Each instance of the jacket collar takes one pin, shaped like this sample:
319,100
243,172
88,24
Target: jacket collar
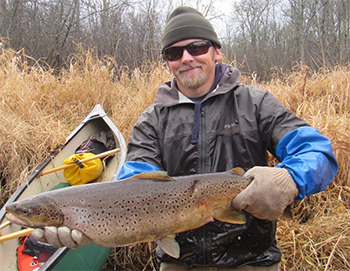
226,78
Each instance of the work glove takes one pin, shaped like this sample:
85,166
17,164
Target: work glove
268,195
61,237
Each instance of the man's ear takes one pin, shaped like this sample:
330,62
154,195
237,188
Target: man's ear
167,66
218,54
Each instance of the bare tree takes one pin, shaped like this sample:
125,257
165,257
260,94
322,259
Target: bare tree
260,34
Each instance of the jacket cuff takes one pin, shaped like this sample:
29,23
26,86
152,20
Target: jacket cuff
309,158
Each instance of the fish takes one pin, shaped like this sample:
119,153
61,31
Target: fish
146,207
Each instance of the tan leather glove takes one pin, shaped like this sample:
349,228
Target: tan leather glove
270,192
61,237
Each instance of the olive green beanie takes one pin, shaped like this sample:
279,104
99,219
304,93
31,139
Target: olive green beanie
187,23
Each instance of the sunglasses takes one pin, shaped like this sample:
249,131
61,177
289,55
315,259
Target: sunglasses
195,48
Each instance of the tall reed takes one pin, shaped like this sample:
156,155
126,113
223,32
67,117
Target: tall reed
41,106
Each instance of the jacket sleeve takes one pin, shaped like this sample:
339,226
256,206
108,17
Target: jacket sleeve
309,158
144,142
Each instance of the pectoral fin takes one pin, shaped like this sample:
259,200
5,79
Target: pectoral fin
169,246
231,215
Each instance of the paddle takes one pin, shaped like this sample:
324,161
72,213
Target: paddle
12,235
15,235
97,156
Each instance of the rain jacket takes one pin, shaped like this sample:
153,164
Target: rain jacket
233,126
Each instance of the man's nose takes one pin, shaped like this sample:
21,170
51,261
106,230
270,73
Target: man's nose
186,57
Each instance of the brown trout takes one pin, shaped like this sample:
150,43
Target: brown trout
147,207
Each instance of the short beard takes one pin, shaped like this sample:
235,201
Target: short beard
191,82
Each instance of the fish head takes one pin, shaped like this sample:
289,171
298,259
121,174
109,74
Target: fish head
36,213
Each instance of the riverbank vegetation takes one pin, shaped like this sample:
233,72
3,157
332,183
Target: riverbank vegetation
40,107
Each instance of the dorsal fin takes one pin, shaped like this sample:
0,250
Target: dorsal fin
158,176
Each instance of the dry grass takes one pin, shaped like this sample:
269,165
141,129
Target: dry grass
40,108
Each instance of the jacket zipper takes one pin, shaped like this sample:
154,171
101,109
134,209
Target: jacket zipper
203,170
203,141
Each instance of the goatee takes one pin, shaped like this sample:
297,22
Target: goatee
191,81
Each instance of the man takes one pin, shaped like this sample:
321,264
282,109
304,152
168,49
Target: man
205,121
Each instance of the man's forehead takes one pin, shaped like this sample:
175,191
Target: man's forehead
184,42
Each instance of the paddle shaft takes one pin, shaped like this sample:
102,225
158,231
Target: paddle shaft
15,235
97,156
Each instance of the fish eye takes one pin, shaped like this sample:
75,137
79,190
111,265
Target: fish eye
24,211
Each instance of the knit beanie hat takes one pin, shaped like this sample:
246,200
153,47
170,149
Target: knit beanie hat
187,23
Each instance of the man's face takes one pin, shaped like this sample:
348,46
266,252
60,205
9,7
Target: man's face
194,74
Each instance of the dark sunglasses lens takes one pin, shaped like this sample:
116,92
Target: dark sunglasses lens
173,53
198,48
195,48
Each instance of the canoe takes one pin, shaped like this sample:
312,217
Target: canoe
88,257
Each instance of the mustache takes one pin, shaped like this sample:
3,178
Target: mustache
188,67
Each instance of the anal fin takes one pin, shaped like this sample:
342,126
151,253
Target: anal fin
169,245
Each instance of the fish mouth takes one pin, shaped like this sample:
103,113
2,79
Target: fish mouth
18,221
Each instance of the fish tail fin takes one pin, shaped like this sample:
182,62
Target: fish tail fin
287,214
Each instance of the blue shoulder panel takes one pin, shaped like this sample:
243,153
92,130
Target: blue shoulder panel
309,158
